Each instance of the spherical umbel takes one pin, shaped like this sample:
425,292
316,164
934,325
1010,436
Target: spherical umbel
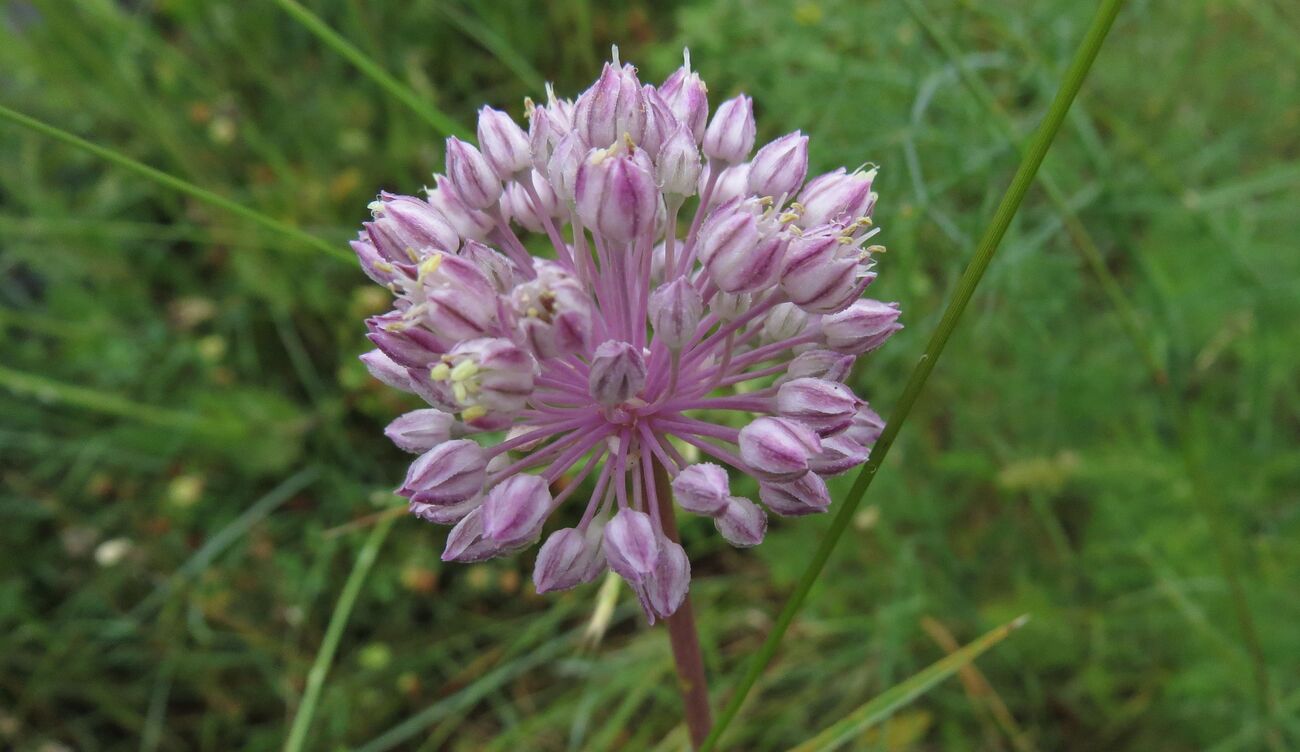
593,345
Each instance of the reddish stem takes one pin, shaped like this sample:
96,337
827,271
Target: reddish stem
683,635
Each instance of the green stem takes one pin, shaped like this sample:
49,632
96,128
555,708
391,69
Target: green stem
334,633
372,70
988,245
46,390
1203,500
1078,233
175,183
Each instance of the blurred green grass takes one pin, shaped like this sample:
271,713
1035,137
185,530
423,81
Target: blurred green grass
178,528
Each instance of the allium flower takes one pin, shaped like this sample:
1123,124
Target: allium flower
629,341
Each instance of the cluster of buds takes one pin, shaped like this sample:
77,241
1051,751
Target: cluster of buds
625,347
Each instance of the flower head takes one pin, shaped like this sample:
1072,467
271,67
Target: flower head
636,341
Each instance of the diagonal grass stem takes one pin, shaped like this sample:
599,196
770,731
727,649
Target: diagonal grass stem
891,700
175,183
970,279
440,121
333,634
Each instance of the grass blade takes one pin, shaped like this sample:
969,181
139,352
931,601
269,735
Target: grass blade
334,633
440,121
175,183
1075,228
988,245
46,390
889,701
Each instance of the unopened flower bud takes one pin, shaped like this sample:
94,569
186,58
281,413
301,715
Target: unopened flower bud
688,98
420,430
742,522
777,449
784,321
618,372
519,205
820,364
861,327
505,145
807,495
446,474
827,407
386,370
376,267
568,558
613,106
448,514
837,197
675,310
632,545
515,509
562,167
461,301
732,184
730,306
730,135
467,543
740,254
468,223
496,268
616,194
404,225
840,453
702,488
660,122
471,176
866,427
543,134
663,592
778,169
677,170
822,275
409,346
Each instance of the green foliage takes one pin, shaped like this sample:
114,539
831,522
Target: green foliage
191,458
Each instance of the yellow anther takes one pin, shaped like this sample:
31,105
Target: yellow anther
440,372
466,369
459,392
412,255
471,387
533,313
473,413
845,240
430,265
766,201
383,266
631,145
875,249
376,207
787,217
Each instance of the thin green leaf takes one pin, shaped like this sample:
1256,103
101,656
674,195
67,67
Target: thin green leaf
891,700
334,633
440,121
970,279
175,183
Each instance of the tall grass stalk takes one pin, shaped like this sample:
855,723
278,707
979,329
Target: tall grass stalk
441,122
334,633
1206,507
1033,155
177,184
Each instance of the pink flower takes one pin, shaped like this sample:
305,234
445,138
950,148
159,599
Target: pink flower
617,350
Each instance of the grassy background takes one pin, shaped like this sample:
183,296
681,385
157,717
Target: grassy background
191,457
